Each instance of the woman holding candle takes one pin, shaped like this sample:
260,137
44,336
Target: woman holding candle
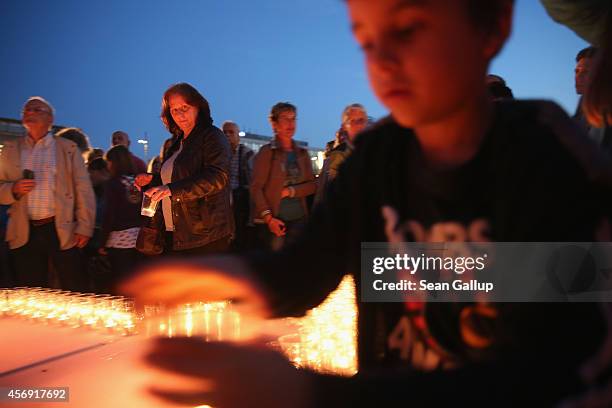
195,216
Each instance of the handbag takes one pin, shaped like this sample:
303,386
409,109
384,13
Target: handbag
150,241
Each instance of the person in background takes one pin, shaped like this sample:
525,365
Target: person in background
195,215
93,154
7,277
77,136
339,138
154,166
354,120
98,267
282,179
585,60
44,179
121,216
592,21
241,167
119,137
497,88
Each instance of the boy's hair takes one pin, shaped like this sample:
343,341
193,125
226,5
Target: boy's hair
485,13
588,52
280,108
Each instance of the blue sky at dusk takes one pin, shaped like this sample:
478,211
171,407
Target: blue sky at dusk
104,65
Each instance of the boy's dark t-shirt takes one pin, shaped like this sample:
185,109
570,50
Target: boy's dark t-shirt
522,185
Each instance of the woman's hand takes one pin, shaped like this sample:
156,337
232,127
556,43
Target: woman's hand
158,193
142,180
277,227
286,192
228,375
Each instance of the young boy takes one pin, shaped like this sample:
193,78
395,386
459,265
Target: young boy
450,165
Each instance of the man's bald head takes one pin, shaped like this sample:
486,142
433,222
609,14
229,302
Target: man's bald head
232,131
119,137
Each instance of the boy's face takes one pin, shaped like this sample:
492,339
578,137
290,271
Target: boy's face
425,59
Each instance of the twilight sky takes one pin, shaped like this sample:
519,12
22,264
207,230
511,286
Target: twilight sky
104,64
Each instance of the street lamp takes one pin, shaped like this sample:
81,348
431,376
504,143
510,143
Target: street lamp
145,145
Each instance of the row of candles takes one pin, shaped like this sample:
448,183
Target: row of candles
325,339
73,309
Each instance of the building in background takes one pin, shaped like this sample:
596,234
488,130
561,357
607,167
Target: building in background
12,128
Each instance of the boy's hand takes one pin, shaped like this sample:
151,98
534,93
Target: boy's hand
231,375
178,282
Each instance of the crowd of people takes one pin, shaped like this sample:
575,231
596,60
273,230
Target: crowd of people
469,163
215,194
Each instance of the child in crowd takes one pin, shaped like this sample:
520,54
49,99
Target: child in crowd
121,215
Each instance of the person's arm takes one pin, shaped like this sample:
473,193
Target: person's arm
84,200
309,185
6,192
335,160
261,170
7,197
213,177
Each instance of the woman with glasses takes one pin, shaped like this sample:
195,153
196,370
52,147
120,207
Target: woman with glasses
193,186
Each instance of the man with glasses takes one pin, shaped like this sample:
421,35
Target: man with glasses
44,180
354,120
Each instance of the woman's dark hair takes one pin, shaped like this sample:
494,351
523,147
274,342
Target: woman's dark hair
77,136
97,165
122,161
93,154
193,98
